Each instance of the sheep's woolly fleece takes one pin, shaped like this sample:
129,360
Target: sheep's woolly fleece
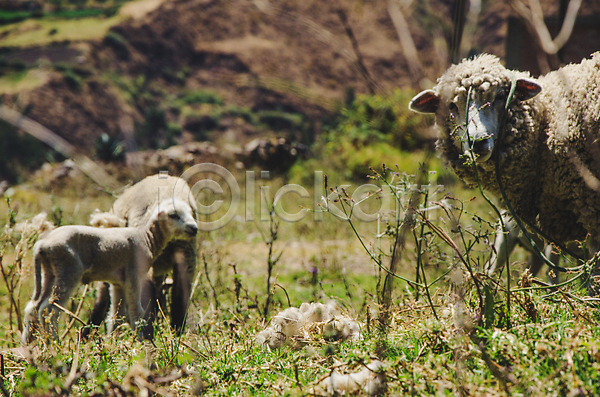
294,326
549,148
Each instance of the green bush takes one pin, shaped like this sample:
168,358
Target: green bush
372,130
377,118
109,148
118,43
201,96
174,129
236,111
151,131
13,16
277,120
72,79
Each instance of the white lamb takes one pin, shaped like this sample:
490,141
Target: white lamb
548,148
76,254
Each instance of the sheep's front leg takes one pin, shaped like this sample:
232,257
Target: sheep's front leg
133,300
184,269
65,285
116,311
100,309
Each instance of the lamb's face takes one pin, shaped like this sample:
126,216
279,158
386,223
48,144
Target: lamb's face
177,217
469,102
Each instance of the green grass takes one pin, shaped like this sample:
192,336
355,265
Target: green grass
17,29
20,81
44,31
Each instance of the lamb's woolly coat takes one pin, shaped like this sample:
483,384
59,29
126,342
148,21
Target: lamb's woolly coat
76,254
134,207
549,149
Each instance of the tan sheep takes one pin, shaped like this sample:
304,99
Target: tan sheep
133,208
74,254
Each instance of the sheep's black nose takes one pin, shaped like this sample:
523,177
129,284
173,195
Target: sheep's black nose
192,230
482,147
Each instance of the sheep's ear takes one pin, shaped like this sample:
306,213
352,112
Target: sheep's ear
527,89
425,102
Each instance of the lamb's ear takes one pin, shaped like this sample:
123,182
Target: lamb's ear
425,102
161,214
527,89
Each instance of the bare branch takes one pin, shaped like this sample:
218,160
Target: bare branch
534,19
466,42
408,45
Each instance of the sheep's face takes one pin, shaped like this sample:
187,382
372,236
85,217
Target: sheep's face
469,102
475,123
177,217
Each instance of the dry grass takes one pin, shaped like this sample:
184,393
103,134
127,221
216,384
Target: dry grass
435,347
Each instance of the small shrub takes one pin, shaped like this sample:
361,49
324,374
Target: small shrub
174,129
200,125
109,148
118,43
13,16
72,79
18,65
278,120
236,111
375,118
196,97
149,132
110,11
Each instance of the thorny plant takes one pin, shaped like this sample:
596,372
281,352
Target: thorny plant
413,201
12,272
269,237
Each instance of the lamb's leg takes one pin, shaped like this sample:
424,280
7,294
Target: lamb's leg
30,318
184,268
66,282
150,307
133,301
100,309
116,311
30,323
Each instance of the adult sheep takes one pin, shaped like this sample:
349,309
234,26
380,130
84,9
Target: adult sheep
134,207
548,146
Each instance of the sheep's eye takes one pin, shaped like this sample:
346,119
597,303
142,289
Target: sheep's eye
174,215
453,108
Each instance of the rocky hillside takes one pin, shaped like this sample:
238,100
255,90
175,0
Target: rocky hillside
231,71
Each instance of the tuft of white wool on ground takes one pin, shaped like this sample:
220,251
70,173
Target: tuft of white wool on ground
293,326
370,380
